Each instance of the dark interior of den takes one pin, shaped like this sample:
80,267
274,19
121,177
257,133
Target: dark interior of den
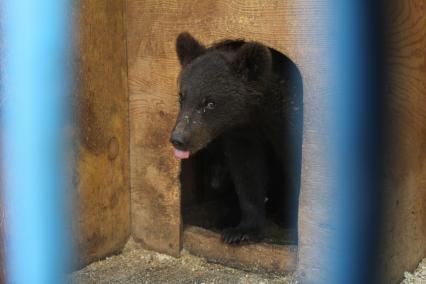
209,198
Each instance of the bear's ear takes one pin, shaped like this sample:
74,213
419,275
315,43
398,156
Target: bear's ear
253,62
188,48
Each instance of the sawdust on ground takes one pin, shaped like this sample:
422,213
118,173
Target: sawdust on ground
418,276
136,265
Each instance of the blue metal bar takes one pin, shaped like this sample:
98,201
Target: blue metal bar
345,250
355,129
35,84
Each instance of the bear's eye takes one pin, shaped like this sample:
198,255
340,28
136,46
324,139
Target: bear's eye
210,105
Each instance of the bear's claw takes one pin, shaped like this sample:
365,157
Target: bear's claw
237,236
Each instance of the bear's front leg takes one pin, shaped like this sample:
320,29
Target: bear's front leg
247,162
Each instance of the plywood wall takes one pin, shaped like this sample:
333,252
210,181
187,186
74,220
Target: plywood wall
292,27
405,205
297,29
101,179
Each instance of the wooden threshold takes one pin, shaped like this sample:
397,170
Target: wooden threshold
263,257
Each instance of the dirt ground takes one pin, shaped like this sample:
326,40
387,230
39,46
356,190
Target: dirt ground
136,265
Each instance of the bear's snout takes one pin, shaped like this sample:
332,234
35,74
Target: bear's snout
177,139
180,137
180,146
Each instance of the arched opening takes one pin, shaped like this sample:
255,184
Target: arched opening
208,199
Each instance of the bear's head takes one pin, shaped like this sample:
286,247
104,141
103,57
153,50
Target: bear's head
218,89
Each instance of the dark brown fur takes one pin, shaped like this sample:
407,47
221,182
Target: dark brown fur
247,98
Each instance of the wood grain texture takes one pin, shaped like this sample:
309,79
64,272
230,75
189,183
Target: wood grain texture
253,257
293,27
101,179
405,205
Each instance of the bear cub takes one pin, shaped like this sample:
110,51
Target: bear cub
246,100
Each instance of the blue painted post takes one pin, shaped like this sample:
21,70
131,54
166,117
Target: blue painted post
344,138
36,43
357,103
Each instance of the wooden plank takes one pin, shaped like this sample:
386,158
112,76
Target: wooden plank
102,219
293,27
253,257
404,230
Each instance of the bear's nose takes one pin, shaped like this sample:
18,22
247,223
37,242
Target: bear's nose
177,140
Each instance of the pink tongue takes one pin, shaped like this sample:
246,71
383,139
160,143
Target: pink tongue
181,154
